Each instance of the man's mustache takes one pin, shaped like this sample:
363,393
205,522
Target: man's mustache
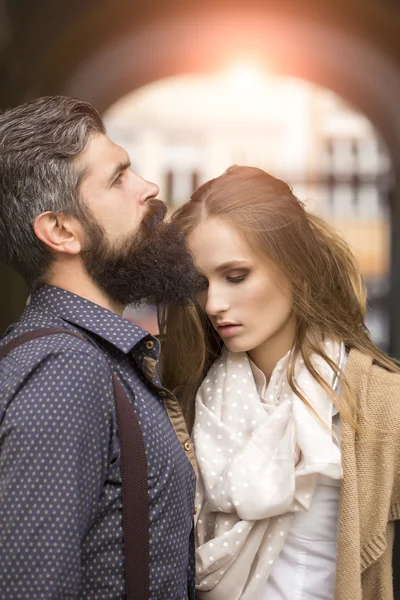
155,214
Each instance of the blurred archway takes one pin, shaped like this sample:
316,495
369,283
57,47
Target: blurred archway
184,130
101,51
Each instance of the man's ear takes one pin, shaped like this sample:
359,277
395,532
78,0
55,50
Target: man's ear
59,232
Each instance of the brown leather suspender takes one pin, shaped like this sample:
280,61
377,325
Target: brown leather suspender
135,496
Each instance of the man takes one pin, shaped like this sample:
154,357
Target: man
88,236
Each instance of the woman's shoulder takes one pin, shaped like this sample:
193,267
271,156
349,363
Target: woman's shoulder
361,365
377,388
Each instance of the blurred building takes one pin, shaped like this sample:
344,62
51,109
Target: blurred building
185,130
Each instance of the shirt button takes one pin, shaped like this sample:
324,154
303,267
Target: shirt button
195,510
187,446
162,393
149,345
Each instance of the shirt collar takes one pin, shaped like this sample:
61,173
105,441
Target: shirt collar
261,381
120,332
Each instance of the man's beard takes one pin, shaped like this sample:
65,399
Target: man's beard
151,266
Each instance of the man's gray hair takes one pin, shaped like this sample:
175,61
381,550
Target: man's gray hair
38,143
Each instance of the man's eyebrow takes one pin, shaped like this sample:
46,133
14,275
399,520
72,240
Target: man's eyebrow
122,166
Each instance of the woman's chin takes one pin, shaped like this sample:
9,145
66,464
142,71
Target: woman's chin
236,345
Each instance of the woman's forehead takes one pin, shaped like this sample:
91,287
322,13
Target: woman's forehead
214,242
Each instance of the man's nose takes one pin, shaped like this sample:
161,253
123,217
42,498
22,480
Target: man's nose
151,190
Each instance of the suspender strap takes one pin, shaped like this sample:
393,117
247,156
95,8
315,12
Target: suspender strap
135,496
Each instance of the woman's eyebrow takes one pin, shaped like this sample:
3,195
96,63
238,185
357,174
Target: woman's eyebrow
236,262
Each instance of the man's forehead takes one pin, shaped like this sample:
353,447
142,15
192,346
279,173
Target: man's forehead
102,155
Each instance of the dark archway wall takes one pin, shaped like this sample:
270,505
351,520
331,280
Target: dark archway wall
102,49
44,43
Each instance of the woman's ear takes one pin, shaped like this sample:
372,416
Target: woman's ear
59,232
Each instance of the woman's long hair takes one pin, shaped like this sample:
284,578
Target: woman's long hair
329,299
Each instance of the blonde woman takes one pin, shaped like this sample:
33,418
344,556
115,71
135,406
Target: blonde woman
295,411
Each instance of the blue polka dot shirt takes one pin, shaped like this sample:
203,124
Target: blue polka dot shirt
60,481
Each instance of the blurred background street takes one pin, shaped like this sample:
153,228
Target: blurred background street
308,91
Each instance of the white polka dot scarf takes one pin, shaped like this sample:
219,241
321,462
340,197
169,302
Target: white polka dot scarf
258,460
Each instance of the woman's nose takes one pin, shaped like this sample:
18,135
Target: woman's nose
216,303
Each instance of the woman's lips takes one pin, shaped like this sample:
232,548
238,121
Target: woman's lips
228,330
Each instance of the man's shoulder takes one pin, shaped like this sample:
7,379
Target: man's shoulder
52,369
58,347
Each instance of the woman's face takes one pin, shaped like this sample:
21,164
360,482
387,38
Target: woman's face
248,300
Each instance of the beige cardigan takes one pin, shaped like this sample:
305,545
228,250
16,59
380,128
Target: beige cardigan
370,492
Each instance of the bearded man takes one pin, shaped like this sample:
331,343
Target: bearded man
89,237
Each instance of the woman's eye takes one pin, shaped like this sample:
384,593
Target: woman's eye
237,278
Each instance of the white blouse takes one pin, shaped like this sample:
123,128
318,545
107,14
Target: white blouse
306,566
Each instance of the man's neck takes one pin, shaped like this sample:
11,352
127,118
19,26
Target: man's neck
73,277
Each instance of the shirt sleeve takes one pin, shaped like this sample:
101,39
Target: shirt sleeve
54,444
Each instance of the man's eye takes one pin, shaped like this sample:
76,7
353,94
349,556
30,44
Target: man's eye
118,180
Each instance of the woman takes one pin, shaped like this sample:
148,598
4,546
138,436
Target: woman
297,411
